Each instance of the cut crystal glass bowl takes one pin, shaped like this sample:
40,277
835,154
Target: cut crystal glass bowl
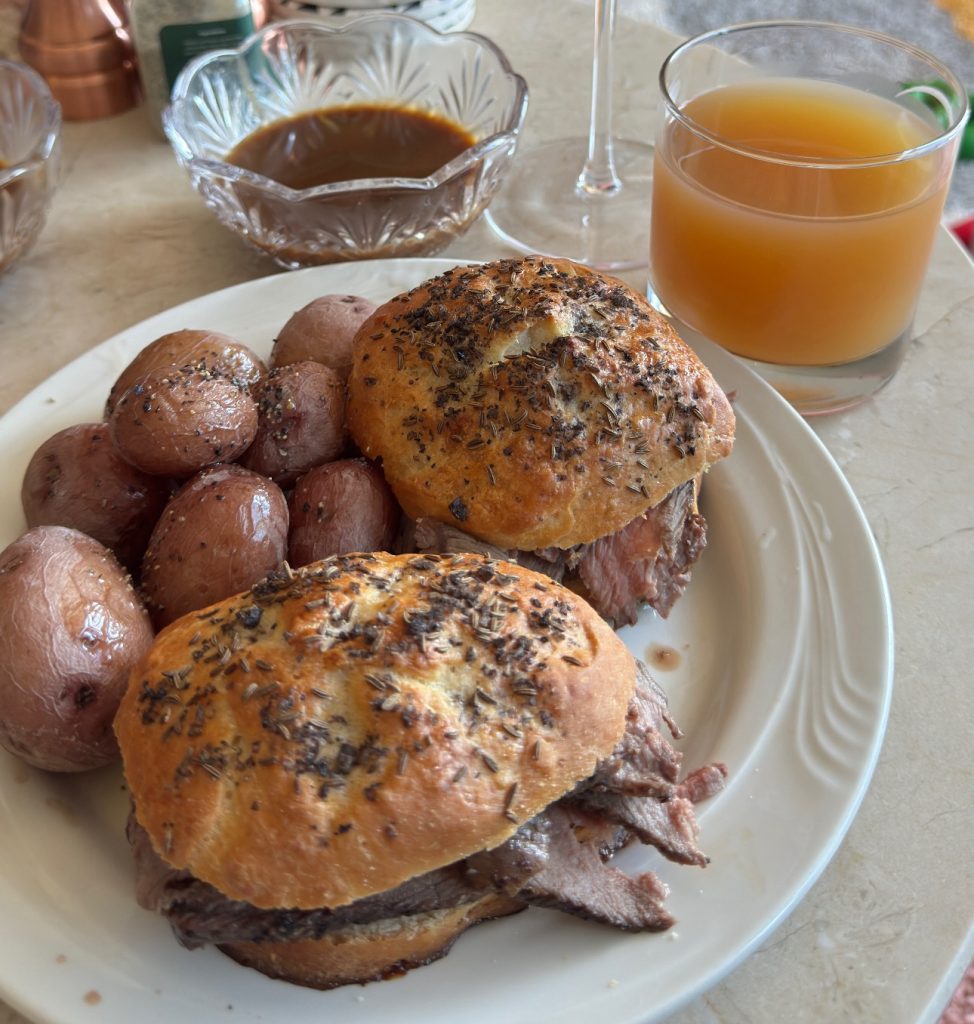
293,67
30,157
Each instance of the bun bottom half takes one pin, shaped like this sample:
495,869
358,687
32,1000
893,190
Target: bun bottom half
358,954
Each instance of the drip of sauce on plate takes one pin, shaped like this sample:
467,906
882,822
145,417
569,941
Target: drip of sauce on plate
663,658
64,809
350,143
92,998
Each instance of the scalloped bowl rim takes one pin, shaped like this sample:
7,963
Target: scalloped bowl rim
440,177
41,151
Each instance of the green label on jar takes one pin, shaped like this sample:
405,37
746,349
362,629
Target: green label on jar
181,43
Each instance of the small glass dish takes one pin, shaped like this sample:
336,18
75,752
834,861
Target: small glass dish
30,157
292,67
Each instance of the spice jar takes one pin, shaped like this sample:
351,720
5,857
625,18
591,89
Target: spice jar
169,33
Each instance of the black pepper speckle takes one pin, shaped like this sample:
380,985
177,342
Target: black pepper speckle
458,509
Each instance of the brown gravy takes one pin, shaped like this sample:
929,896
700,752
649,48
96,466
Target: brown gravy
663,658
347,143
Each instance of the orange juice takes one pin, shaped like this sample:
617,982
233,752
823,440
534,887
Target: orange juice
809,260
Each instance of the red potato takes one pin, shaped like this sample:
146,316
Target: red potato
323,332
341,507
209,350
77,479
301,421
222,531
71,629
173,422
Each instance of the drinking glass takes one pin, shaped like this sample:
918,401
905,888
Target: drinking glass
586,199
799,179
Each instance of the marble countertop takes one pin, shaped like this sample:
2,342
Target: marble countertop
885,933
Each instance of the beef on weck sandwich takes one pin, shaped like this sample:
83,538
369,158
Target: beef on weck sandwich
337,772
540,411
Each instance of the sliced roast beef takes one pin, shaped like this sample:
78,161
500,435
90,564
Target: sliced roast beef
703,783
507,867
643,763
200,913
669,825
553,562
425,534
576,881
558,861
546,864
636,786
648,561
153,876
596,830
214,918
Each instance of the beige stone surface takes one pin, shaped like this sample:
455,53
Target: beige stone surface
884,934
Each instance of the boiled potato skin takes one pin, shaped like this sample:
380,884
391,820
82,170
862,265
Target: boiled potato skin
224,530
71,628
77,479
301,421
323,331
174,422
201,350
341,507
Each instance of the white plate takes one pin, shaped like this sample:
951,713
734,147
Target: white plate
784,643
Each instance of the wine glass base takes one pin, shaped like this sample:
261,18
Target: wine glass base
540,210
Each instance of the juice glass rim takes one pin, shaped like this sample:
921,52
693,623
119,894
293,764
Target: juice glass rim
941,71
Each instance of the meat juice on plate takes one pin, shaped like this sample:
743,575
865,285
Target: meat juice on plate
804,259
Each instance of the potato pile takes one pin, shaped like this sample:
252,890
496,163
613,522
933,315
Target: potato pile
208,471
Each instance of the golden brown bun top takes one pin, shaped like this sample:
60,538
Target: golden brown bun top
532,402
339,729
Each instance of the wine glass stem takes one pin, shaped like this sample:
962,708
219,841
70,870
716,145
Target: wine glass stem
598,176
